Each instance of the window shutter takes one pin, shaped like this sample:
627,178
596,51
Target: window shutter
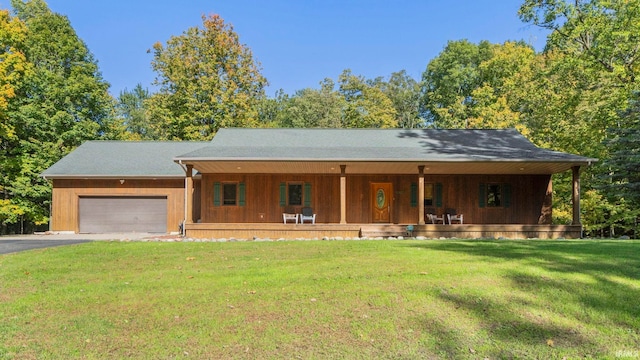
241,195
216,194
414,194
482,195
283,194
507,195
438,194
307,194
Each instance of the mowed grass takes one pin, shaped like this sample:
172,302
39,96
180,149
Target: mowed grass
400,299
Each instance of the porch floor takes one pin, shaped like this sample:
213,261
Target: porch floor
430,231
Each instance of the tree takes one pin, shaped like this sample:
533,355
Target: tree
404,93
605,33
366,106
207,80
311,108
477,86
271,110
591,63
132,113
624,163
13,67
62,102
448,81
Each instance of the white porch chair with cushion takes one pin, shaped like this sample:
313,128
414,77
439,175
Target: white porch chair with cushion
436,219
289,214
307,214
431,216
453,216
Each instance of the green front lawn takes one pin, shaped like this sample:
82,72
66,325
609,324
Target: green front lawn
323,299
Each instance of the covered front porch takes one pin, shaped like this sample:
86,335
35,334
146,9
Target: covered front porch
273,231
374,183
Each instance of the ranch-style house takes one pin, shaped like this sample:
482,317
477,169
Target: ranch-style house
312,183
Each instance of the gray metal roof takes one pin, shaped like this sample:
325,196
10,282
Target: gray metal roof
100,159
375,145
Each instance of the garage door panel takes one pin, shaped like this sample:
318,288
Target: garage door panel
123,214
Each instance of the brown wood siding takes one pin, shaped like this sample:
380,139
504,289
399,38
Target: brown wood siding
460,192
263,198
64,208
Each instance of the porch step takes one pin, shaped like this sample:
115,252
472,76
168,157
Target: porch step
384,230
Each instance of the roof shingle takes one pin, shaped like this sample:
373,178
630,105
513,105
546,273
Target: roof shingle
375,144
123,159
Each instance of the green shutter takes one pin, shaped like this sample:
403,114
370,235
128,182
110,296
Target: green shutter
507,195
241,196
482,195
438,194
414,194
307,194
283,194
216,194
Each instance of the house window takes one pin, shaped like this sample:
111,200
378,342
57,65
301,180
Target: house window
494,195
428,194
230,194
294,194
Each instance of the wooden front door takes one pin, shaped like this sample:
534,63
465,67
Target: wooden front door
381,195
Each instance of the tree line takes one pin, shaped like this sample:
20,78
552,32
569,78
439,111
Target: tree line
578,95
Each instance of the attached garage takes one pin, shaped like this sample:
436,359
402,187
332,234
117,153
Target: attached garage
121,186
123,214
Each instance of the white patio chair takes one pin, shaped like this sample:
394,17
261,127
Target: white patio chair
307,214
289,214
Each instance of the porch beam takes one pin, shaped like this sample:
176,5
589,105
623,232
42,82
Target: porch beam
189,195
421,195
343,194
576,195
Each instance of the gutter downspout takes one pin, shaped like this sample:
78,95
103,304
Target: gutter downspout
184,220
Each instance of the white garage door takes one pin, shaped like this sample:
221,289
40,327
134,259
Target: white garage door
101,214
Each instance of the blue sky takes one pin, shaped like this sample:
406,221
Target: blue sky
297,42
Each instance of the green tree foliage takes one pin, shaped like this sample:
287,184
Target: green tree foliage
477,85
271,110
587,77
623,165
357,103
132,114
604,33
448,82
404,93
366,106
311,108
62,102
207,80
13,67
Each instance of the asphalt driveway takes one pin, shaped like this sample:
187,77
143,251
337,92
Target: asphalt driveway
16,243
13,246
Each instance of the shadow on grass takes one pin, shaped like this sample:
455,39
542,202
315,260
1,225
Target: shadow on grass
581,295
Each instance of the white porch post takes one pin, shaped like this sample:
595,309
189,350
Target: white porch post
343,194
421,195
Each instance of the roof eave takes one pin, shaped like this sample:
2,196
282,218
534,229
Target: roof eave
584,162
109,177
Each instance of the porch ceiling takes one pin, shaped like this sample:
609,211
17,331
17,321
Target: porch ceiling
395,167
